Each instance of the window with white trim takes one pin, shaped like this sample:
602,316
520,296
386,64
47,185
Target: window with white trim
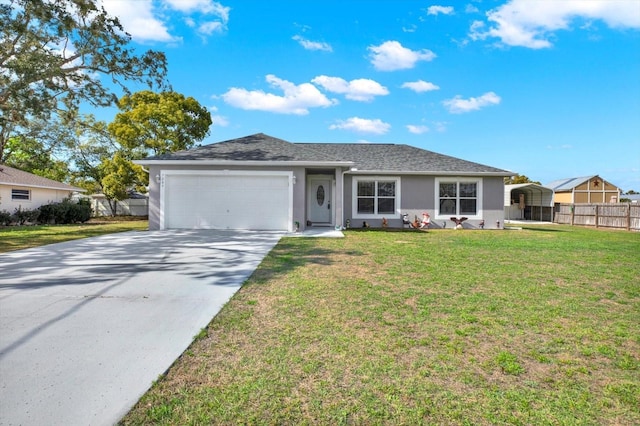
21,194
376,197
459,197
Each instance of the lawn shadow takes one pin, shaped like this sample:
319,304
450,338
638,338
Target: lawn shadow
534,228
294,253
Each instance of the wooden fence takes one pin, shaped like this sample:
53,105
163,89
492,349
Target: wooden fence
602,215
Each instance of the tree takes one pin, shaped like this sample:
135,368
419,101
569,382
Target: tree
519,179
94,145
157,123
34,157
54,55
120,174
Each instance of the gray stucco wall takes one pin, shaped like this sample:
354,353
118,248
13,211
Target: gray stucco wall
417,195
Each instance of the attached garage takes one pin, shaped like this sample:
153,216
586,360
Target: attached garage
226,200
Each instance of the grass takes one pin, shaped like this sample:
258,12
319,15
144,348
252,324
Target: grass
22,237
538,326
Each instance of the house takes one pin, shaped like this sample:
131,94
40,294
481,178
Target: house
587,189
27,191
261,182
528,201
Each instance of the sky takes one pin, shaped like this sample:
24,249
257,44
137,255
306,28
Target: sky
547,89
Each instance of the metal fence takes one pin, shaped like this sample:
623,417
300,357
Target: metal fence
601,215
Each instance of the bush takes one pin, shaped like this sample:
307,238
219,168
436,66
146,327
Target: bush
65,212
5,217
23,216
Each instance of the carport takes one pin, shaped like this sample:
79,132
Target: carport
528,201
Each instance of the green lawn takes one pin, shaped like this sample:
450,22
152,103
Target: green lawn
538,326
22,237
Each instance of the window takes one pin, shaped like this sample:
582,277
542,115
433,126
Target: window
376,197
20,194
459,197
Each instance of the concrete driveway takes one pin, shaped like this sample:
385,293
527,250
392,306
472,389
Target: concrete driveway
86,326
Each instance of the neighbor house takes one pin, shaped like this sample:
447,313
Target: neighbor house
27,191
586,189
264,183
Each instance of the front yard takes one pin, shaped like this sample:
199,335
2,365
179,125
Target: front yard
22,237
538,326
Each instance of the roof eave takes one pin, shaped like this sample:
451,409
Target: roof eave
244,163
429,172
57,188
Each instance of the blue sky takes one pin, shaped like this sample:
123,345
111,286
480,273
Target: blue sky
548,89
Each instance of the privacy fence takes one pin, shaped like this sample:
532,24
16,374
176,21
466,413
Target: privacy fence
607,215
128,207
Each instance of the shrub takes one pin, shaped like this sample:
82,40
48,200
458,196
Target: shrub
5,217
65,212
23,216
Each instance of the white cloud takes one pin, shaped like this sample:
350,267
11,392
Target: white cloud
420,86
147,20
297,99
361,89
138,19
471,9
435,10
312,45
219,121
208,28
362,125
441,126
417,129
391,56
206,7
517,23
457,105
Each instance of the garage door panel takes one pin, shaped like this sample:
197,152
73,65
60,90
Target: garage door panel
227,202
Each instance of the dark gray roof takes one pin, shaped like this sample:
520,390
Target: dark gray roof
258,147
373,157
11,176
399,158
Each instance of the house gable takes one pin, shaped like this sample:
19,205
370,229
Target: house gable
586,189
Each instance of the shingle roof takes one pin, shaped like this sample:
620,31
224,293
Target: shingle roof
11,176
258,147
399,158
568,184
365,157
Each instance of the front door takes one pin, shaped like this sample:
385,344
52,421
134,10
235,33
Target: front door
319,200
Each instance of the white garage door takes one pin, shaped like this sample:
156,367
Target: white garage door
233,200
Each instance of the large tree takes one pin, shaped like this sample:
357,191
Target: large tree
157,123
33,156
54,55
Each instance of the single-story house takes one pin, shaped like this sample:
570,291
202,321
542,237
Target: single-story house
586,189
528,201
27,191
264,183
